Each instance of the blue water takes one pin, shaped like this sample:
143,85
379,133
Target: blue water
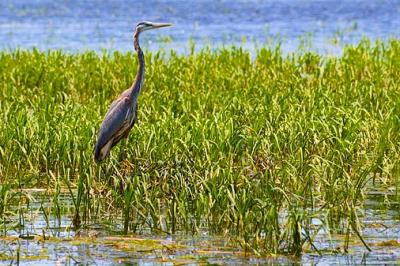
80,25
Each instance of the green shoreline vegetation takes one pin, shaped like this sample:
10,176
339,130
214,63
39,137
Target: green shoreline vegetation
256,149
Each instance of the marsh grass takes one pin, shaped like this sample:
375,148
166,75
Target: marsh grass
254,148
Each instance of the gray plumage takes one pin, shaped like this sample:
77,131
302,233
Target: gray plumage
122,114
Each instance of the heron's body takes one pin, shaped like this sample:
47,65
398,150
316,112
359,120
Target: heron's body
122,114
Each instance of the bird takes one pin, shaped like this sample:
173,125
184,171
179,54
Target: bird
122,114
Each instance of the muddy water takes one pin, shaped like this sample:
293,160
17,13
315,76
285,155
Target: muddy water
51,240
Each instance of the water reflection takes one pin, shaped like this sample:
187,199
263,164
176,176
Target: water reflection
54,241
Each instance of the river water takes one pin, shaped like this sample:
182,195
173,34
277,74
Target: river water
81,25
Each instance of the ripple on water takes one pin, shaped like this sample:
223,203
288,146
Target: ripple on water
97,25
54,241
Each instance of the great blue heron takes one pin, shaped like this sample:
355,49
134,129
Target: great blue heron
122,114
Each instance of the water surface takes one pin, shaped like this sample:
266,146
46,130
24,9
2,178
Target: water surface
47,241
81,25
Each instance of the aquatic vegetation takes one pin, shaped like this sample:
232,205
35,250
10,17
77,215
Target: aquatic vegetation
253,148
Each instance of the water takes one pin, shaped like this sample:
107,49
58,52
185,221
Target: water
102,243
81,25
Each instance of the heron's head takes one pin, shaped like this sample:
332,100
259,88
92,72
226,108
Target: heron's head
146,25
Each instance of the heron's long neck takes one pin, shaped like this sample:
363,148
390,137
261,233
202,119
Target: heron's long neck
137,85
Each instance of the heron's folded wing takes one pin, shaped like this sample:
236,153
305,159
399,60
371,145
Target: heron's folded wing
116,101
114,121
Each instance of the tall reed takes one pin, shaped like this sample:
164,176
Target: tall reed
252,147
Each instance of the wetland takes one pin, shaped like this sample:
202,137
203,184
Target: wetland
273,158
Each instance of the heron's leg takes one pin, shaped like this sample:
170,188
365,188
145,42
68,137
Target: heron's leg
122,154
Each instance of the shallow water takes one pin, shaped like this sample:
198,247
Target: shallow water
54,241
80,25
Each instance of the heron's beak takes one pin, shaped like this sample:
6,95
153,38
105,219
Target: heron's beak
161,25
